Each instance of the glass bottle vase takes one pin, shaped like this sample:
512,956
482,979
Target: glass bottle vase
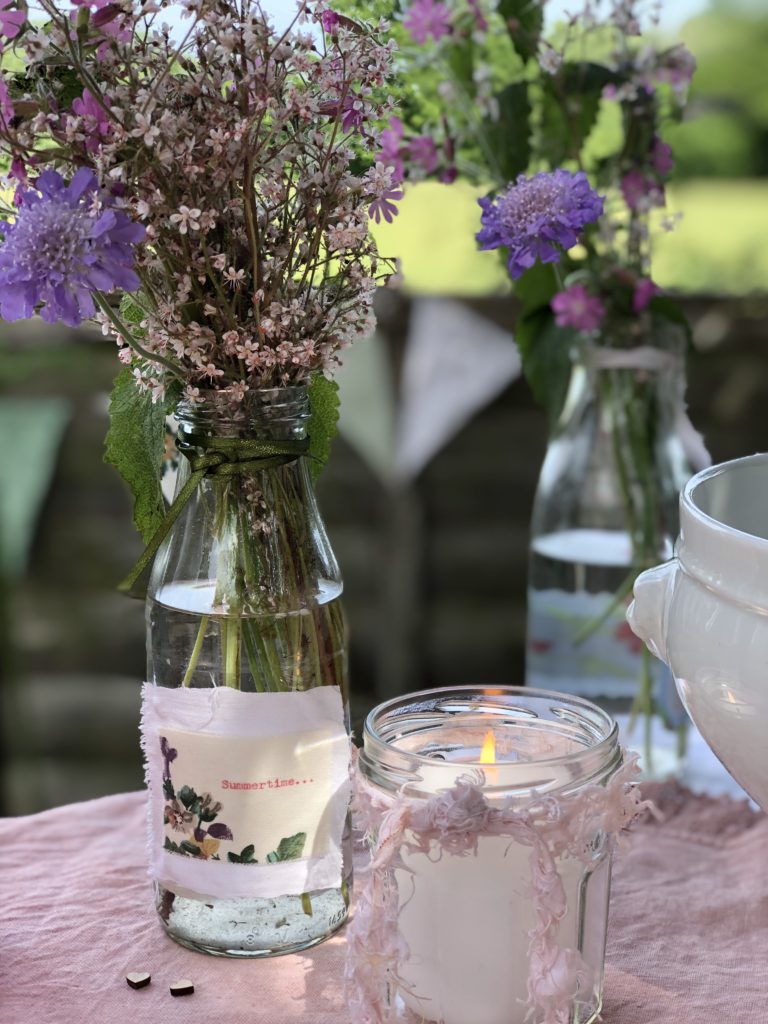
245,627
605,509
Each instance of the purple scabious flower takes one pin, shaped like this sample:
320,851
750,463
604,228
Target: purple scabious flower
65,243
538,217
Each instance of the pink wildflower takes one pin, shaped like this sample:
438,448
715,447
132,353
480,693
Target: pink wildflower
391,154
423,152
384,205
427,18
10,21
329,20
641,191
576,308
95,121
645,290
661,157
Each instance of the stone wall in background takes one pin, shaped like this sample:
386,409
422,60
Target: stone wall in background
434,568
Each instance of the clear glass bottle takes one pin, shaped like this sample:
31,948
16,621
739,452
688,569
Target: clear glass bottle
245,594
466,922
605,509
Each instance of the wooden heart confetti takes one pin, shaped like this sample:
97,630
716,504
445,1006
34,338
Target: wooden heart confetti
138,979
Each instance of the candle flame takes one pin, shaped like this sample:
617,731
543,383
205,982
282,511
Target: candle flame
488,750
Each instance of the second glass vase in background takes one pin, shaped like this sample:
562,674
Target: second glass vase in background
605,509
245,720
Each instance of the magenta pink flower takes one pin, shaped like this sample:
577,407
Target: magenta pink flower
423,152
329,20
10,21
391,153
95,120
576,308
384,206
645,290
641,191
427,18
661,157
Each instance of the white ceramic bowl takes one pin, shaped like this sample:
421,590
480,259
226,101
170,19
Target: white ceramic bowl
706,614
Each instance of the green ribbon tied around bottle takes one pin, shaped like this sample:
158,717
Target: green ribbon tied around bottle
221,457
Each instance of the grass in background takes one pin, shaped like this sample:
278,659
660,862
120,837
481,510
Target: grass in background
718,247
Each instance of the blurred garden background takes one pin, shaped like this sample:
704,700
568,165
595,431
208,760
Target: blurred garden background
428,491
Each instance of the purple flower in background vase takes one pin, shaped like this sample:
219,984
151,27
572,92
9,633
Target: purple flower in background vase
426,18
65,243
644,291
576,308
423,152
661,157
538,217
390,153
641,191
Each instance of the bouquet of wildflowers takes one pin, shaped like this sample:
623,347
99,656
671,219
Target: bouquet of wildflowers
217,174
565,127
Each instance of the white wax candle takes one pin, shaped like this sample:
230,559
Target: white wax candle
466,920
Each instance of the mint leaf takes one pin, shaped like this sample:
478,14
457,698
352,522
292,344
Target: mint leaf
324,418
135,444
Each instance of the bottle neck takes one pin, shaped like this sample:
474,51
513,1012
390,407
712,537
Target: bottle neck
268,414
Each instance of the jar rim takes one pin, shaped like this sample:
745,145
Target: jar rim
604,731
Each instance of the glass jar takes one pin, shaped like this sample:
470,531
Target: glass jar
245,627
606,508
471,937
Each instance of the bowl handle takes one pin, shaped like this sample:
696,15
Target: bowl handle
647,615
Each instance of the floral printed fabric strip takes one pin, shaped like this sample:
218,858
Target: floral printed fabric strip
247,796
554,831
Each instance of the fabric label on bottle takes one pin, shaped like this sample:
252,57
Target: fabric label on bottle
248,792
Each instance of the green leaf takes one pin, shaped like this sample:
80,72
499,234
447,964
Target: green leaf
536,287
324,418
462,64
168,792
509,137
292,847
130,311
135,444
247,852
545,350
524,20
666,309
190,848
570,103
233,858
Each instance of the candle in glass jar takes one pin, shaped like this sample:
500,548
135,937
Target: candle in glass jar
467,920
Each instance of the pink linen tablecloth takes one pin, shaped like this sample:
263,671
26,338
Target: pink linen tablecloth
688,940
